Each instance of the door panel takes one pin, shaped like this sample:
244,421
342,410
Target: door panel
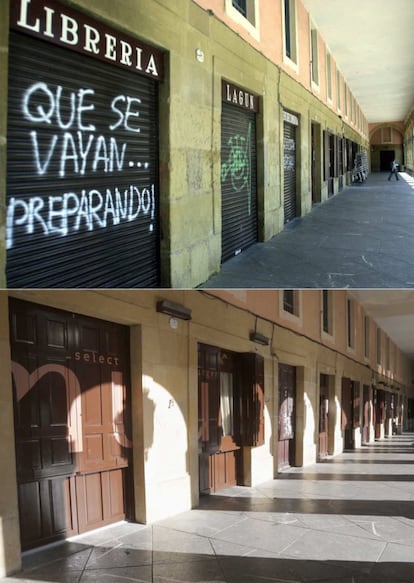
71,421
217,445
223,470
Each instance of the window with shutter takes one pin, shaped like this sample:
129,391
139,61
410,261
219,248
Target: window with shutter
231,398
209,433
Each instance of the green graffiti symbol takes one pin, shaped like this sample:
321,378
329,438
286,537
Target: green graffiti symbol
238,163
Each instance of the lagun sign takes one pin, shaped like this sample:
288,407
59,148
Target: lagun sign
82,144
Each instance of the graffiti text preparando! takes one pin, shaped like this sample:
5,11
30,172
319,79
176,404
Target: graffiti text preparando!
70,212
64,142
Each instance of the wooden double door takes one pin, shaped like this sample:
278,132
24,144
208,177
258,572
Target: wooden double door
72,422
351,411
230,414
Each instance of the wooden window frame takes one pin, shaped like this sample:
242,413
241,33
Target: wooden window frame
350,324
379,348
327,323
291,306
329,76
367,325
338,90
314,51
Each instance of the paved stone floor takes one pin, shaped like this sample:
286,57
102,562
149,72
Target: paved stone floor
349,519
362,237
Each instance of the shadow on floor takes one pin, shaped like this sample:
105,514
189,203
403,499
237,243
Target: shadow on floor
141,566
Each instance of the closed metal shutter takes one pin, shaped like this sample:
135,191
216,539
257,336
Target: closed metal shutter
289,182
238,180
82,171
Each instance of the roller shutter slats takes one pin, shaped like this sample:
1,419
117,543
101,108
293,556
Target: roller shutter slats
289,183
238,180
81,251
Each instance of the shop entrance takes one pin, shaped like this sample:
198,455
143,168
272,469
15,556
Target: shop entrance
386,157
230,414
239,208
72,422
351,411
287,416
379,413
366,414
290,127
323,417
316,162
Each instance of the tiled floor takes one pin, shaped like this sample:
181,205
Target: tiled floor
360,238
347,520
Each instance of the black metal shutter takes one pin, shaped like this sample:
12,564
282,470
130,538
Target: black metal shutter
238,180
289,188
82,187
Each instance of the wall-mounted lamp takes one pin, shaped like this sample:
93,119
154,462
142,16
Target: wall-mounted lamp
259,338
173,309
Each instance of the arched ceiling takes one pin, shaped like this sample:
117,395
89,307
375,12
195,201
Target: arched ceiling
372,42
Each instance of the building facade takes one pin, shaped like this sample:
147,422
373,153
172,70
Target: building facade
177,133
131,405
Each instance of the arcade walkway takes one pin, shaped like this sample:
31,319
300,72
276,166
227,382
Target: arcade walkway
362,237
347,520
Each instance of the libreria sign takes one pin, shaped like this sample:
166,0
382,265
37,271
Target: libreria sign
62,26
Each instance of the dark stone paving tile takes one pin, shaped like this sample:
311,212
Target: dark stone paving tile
258,570
106,558
189,572
173,546
69,554
118,575
47,574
